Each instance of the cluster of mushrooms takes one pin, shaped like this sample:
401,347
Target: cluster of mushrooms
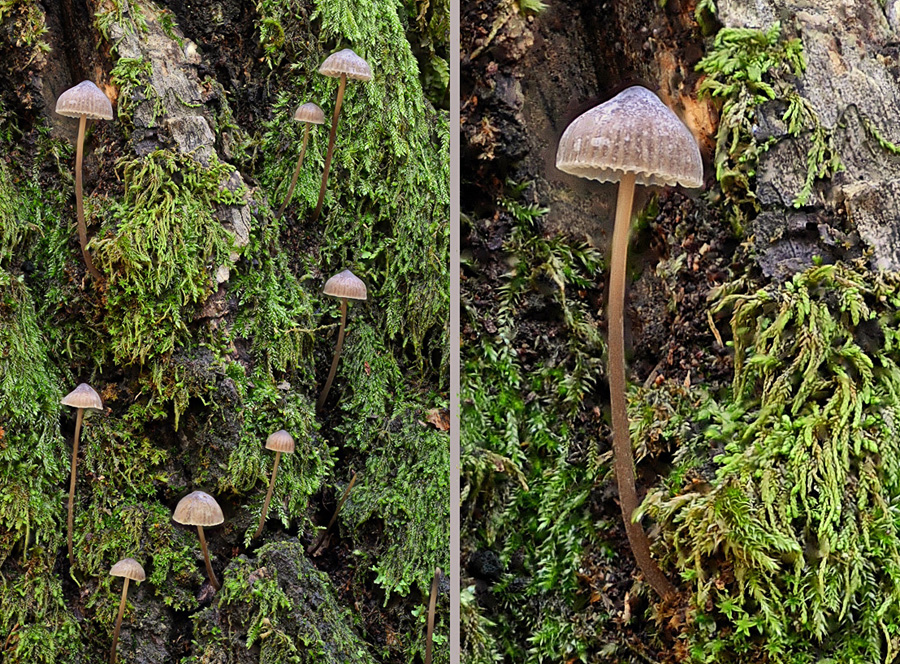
631,139
86,101
196,509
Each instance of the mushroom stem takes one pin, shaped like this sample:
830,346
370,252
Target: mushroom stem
79,207
112,655
315,545
331,136
265,509
290,191
209,570
432,605
624,462
337,355
71,519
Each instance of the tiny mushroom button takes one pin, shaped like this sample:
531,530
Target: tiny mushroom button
309,114
346,286
201,510
279,442
632,139
83,101
130,570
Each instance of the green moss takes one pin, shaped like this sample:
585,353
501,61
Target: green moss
279,603
133,76
24,19
795,536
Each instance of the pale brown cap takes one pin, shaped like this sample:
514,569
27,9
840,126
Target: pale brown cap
84,99
129,568
309,112
346,62
83,396
346,284
198,509
280,441
634,132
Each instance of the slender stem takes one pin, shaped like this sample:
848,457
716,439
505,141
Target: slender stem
315,545
432,605
622,450
79,207
265,510
71,521
112,654
290,191
337,355
334,124
212,577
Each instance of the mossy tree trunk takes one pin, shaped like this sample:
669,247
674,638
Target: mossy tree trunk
208,330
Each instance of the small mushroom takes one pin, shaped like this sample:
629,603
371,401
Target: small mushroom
343,64
345,285
633,139
432,607
82,397
83,101
201,510
309,114
280,441
129,569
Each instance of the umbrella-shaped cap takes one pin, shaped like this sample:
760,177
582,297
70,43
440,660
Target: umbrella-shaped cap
84,99
129,568
198,509
346,62
309,112
346,284
280,441
634,132
83,396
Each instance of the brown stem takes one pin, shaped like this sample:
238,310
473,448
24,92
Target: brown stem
79,207
290,191
432,605
315,545
112,654
71,521
337,355
265,510
212,577
334,124
624,462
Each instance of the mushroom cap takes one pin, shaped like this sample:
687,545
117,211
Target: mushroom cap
84,99
346,62
345,284
198,509
634,132
83,396
280,441
129,568
309,112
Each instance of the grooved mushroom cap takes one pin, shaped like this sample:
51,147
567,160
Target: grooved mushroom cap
634,132
309,112
83,396
346,62
84,99
129,568
280,441
198,509
346,284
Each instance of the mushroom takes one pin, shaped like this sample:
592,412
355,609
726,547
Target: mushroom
345,285
83,101
632,138
279,442
130,569
309,114
82,397
201,510
343,64
432,606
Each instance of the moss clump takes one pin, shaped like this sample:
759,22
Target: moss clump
276,609
795,537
